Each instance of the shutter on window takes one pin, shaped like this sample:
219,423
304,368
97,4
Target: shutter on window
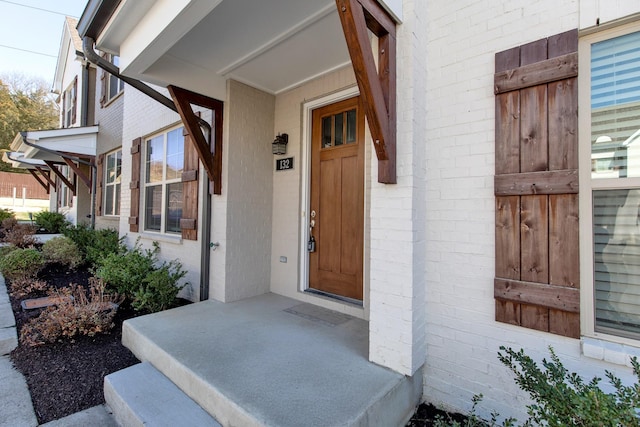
188,222
74,101
99,181
536,185
136,158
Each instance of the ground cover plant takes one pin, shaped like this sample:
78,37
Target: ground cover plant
560,397
65,350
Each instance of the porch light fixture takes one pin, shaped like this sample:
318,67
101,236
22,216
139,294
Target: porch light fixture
279,145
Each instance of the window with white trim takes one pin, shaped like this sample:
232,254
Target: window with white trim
69,101
112,86
163,166
610,121
112,181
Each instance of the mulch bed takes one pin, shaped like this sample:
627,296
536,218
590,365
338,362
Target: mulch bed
67,376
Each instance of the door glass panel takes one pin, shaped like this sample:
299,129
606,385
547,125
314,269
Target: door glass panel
351,126
326,132
339,120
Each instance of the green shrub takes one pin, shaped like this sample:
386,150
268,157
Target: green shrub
21,263
471,420
95,244
52,222
62,250
135,275
6,214
160,288
126,272
562,398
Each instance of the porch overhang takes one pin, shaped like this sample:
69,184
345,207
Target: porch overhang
274,46
44,150
57,144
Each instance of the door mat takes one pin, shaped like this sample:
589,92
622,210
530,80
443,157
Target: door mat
319,314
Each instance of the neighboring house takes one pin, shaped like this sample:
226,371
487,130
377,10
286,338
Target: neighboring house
62,159
452,219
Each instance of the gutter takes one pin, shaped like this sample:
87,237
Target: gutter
54,152
93,57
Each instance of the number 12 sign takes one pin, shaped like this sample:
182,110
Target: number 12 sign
284,164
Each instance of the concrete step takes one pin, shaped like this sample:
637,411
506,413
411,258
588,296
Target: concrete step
272,361
141,396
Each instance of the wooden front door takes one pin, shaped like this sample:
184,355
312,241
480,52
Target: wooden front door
337,199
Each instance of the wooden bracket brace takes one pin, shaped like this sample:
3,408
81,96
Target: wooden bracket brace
377,86
59,174
42,183
209,149
83,177
45,174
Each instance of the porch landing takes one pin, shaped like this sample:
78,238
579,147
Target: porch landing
273,361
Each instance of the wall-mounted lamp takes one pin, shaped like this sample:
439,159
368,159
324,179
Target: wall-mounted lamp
279,145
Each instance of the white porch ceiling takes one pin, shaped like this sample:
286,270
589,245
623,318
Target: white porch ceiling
272,45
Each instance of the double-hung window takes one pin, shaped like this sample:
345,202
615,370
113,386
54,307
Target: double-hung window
112,180
164,158
610,180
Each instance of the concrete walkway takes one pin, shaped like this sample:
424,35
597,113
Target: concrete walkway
16,409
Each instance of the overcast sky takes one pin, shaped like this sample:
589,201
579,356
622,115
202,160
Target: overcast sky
30,34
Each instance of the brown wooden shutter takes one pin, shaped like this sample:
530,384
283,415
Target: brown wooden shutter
99,183
74,101
536,186
136,159
188,221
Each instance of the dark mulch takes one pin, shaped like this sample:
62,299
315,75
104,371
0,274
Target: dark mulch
426,415
67,376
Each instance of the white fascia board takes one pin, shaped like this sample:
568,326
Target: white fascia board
143,42
63,52
79,140
394,7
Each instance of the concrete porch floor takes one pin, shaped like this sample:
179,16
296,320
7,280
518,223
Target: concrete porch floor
271,360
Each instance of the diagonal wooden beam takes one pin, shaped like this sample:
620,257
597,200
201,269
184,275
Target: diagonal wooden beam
60,175
209,151
83,177
378,88
45,174
35,175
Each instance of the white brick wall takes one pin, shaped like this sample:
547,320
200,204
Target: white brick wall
397,314
461,334
143,117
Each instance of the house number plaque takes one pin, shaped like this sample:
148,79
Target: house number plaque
284,164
